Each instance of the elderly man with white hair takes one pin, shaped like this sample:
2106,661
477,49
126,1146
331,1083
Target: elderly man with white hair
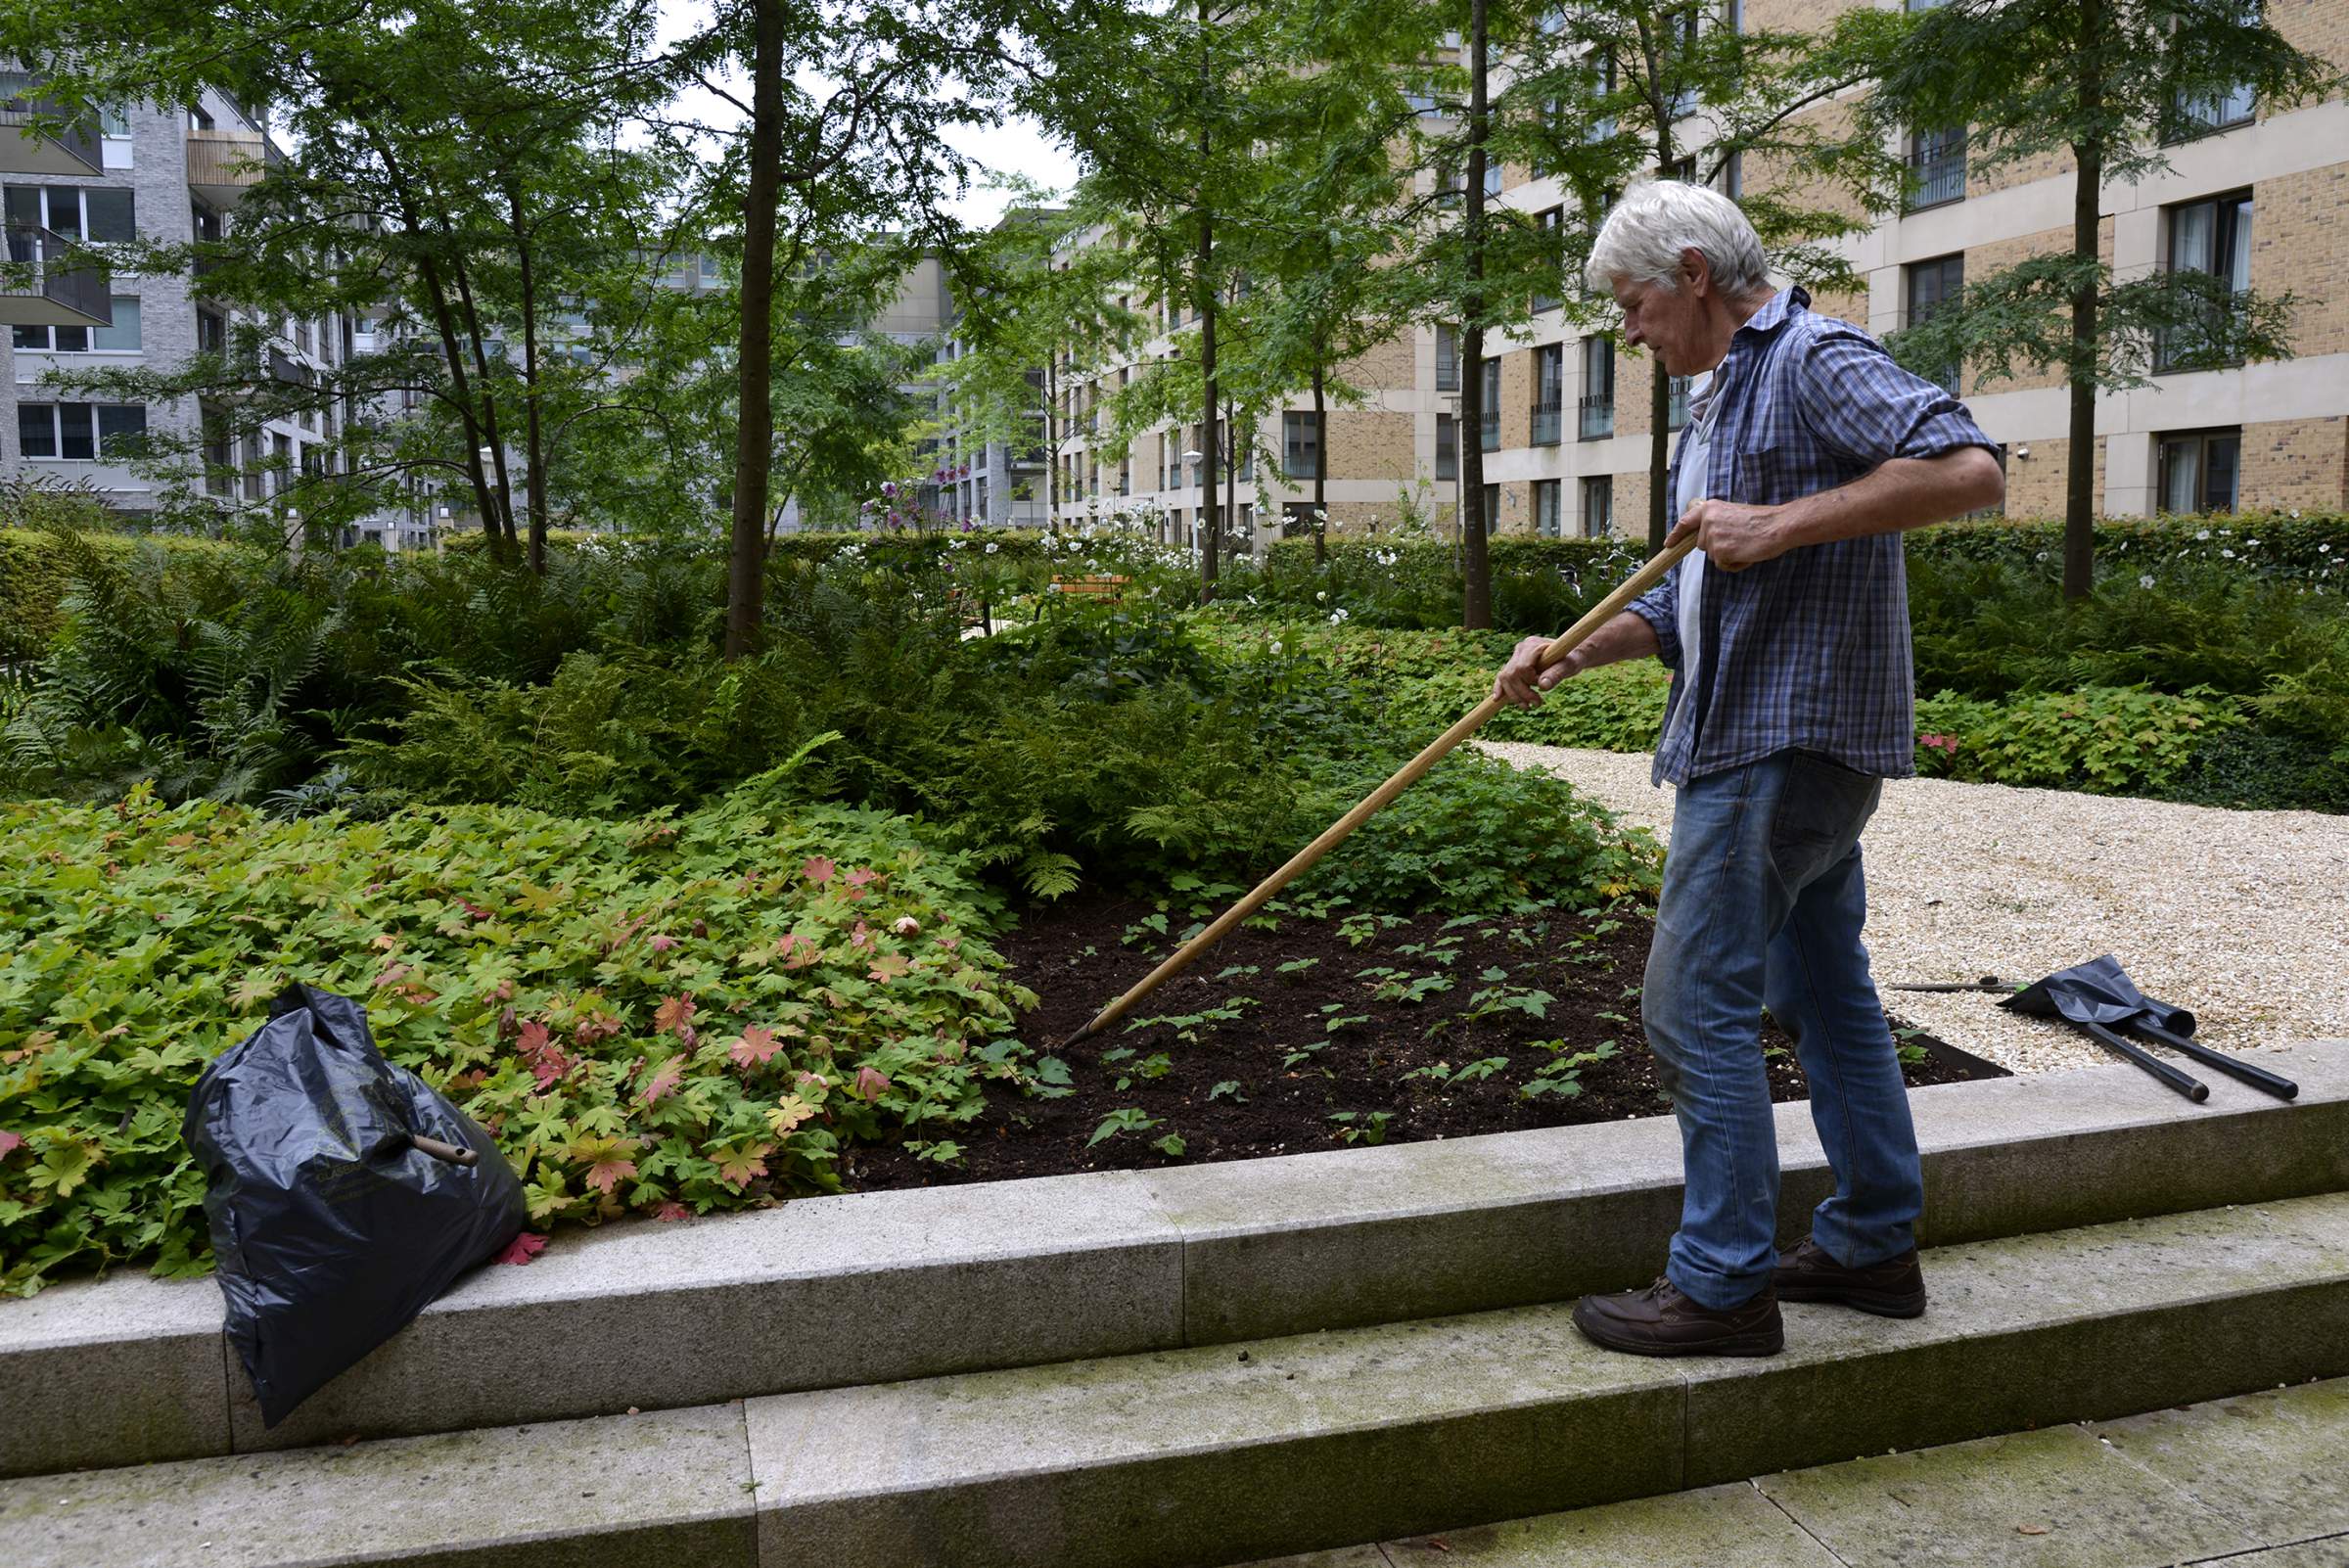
1805,455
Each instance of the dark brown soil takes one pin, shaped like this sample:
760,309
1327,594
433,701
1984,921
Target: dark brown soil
1318,1034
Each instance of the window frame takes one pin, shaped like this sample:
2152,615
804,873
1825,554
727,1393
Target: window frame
2203,440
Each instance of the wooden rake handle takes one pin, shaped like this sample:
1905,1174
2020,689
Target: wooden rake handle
1607,610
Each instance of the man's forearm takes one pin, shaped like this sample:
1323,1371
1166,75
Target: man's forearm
1626,636
1904,493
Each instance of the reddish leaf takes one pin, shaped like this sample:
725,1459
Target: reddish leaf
664,1080
871,1082
390,976
737,1163
522,1249
534,1036
673,1013
757,1045
7,1141
659,942
949,942
608,1173
861,876
861,935
818,870
888,968
799,951
671,1210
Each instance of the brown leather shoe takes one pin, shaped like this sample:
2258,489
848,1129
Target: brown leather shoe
1893,1288
1661,1322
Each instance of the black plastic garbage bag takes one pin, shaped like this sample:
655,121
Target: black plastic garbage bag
332,1229
2099,992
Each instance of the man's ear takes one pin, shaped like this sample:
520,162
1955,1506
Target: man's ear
1696,272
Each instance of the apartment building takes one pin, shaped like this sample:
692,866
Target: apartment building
2258,197
163,175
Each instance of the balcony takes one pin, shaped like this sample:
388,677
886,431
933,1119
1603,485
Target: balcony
223,164
1548,421
67,147
49,284
284,367
1598,416
1937,166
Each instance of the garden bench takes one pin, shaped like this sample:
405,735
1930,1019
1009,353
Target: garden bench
1099,585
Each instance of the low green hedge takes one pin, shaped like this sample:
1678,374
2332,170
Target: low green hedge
2311,547
33,579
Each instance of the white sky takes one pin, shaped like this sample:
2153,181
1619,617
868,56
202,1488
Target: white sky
1016,147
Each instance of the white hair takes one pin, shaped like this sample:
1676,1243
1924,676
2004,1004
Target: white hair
1642,239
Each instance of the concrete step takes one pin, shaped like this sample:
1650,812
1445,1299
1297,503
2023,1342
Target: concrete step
2253,1482
1224,1453
926,1283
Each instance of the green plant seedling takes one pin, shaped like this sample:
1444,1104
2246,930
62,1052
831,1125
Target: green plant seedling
1172,1146
1230,1087
1124,1119
1051,1081
1294,968
1354,1127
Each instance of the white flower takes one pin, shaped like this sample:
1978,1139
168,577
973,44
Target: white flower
1336,617
1276,647
906,926
2324,549
2229,554
2145,581
1322,597
991,547
2251,543
2204,534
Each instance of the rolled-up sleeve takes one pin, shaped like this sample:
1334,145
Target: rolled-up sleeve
1660,608
1857,401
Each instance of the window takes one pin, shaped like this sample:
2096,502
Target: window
220,456
1547,521
1448,359
114,131
1549,394
1242,455
1733,176
1487,516
1936,167
57,340
1300,445
1493,174
1933,287
212,333
1490,431
76,213
1296,519
1598,506
1675,402
79,430
123,336
1600,127
1448,448
1550,225
2212,237
1680,44
2192,115
2200,470
1599,388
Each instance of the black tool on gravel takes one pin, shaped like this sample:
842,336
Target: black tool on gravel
2101,999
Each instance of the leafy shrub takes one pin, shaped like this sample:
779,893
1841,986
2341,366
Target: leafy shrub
2244,769
2106,740
1539,585
36,570
2309,549
657,1015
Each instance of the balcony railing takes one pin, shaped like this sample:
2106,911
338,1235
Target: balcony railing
1548,421
50,284
1598,416
70,147
1939,172
223,164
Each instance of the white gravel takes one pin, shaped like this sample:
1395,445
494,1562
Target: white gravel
2238,915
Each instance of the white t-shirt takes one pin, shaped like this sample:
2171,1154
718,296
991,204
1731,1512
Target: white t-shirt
1696,455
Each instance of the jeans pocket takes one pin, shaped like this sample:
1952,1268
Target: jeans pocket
1819,814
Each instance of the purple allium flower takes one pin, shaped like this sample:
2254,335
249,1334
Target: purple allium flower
889,487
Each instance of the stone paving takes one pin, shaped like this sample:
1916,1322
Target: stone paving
2253,1482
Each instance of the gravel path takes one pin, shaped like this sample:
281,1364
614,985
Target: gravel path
2238,915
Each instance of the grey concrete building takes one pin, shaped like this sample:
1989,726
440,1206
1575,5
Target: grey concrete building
163,175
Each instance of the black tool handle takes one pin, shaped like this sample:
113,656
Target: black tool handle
2259,1078
2186,1084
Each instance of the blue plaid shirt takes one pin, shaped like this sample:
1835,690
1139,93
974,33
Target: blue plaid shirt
1809,649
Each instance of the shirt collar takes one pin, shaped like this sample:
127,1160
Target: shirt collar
1772,315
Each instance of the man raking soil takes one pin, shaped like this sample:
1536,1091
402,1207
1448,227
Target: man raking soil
1807,453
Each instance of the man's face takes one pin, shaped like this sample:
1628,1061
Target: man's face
1671,323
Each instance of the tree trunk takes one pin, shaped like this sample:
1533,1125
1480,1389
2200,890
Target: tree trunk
1476,564
1659,403
1203,290
745,561
534,456
2080,474
1320,468
483,497
489,435
1231,470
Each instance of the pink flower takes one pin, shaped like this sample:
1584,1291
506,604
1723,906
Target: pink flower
871,1084
860,936
660,941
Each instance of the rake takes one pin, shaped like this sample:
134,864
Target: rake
1607,610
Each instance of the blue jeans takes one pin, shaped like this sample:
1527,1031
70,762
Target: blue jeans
1762,906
